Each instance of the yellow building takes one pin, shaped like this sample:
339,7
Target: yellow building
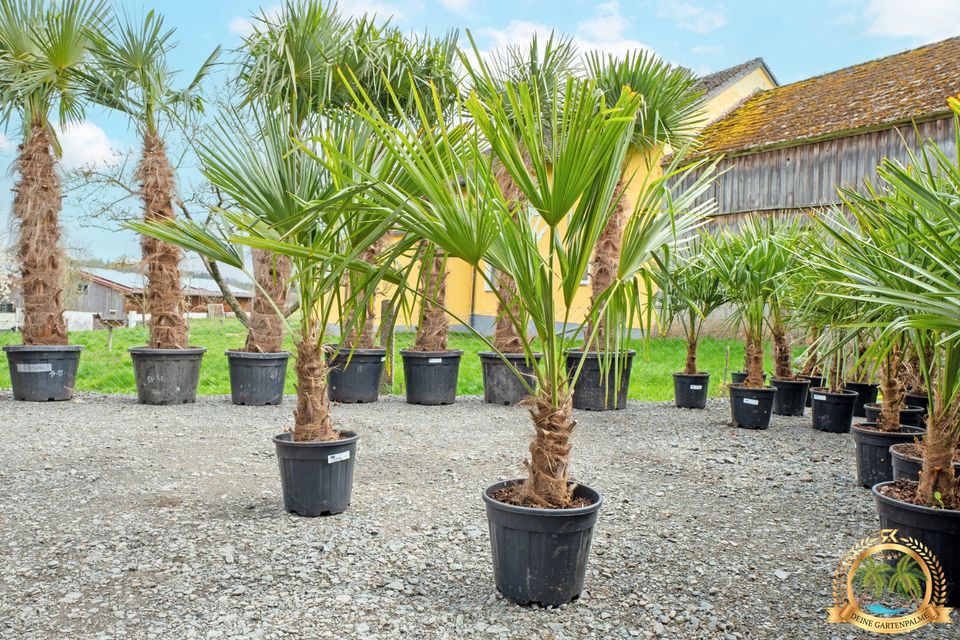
470,299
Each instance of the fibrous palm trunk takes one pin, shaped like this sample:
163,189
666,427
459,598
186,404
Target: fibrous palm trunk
782,355
36,207
506,338
272,273
311,418
366,337
161,260
432,331
604,266
892,401
548,482
754,363
937,477
691,365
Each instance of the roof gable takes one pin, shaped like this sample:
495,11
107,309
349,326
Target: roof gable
714,82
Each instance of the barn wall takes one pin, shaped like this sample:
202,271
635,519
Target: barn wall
99,299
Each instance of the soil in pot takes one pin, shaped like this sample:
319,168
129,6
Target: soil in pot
937,529
791,396
907,462
866,392
431,376
833,412
909,416
166,376
739,377
316,477
815,383
500,383
596,389
540,555
872,447
690,390
43,373
257,379
751,408
355,377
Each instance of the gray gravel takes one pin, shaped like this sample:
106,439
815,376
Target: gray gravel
124,521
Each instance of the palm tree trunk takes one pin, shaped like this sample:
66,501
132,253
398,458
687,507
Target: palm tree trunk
605,264
506,339
366,338
36,207
939,447
691,365
782,355
548,482
272,273
432,331
810,364
161,260
754,359
892,401
311,418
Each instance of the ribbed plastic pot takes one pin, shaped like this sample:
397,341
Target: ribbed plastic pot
906,466
595,391
257,379
909,416
874,461
815,383
791,398
316,477
431,376
866,392
690,390
355,378
166,376
833,412
917,400
540,555
751,408
501,385
739,377
937,529
43,373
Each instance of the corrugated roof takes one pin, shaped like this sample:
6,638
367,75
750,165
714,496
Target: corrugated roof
713,81
897,88
133,282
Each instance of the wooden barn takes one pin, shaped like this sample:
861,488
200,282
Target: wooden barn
787,149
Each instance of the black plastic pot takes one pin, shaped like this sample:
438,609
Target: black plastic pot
866,392
355,378
316,477
431,376
166,376
690,390
540,555
595,391
500,383
739,377
815,383
907,466
918,400
937,529
833,412
751,408
909,416
874,462
257,379
41,373
791,398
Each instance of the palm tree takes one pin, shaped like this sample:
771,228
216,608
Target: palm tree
43,48
907,578
131,75
873,575
669,117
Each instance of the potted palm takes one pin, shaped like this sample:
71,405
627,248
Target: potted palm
43,48
131,75
671,115
540,526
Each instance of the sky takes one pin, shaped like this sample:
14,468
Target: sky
797,40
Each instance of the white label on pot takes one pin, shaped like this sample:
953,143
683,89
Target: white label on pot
34,368
338,457
751,401
696,387
383,359
435,361
817,396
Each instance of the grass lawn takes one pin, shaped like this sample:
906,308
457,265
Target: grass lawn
112,371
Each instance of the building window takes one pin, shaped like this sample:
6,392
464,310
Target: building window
83,287
7,307
491,274
585,280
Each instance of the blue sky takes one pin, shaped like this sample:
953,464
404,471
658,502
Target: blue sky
797,39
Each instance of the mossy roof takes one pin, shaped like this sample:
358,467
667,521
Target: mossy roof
897,88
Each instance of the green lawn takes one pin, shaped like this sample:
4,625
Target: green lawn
112,372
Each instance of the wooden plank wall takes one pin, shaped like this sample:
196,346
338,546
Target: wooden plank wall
807,176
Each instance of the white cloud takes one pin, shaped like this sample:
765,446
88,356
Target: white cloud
244,26
925,20
85,145
457,6
6,144
692,17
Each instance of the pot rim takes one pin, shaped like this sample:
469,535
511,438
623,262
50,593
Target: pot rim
841,394
798,380
596,355
739,386
930,511
496,355
905,429
536,511
257,355
286,439
338,349
864,384
690,375
147,351
38,348
908,408
449,353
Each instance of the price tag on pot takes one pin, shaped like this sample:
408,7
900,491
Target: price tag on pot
817,396
338,457
696,387
34,368
435,361
751,401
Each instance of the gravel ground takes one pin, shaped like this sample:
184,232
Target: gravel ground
125,521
